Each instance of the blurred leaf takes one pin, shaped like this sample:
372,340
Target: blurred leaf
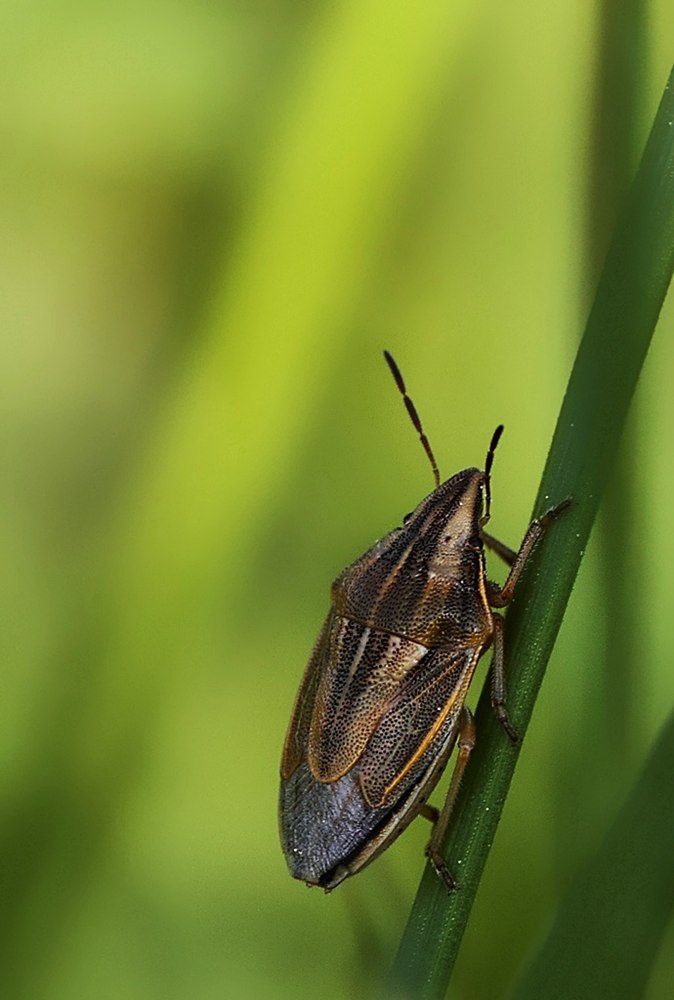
609,927
328,183
616,143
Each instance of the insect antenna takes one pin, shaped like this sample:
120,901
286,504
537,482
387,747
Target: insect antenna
413,415
489,461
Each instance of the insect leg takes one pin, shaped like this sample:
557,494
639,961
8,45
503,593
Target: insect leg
498,683
507,554
466,742
500,596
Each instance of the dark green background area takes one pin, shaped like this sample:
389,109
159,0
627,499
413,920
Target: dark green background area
215,216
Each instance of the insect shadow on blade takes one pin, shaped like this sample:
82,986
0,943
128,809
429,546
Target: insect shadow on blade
382,701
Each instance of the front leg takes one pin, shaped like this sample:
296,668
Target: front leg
500,596
502,550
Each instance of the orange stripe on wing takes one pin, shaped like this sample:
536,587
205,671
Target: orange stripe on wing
457,698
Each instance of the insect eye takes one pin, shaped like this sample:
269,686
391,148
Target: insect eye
475,542
407,517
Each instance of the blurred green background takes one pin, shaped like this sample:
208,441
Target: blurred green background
214,217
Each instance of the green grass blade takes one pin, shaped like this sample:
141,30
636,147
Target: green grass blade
608,929
629,298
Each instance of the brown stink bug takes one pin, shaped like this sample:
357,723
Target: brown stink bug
382,702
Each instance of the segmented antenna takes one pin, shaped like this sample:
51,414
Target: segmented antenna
413,415
489,461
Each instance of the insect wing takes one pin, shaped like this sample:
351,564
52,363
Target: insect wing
295,746
363,674
320,822
374,713
419,726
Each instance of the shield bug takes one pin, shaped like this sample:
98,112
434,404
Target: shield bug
382,702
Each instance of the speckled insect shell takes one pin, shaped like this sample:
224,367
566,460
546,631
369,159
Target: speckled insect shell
377,712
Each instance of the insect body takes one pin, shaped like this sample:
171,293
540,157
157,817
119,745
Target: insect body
381,705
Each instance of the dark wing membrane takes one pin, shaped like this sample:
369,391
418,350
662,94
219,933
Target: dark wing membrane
363,673
417,724
298,730
322,824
